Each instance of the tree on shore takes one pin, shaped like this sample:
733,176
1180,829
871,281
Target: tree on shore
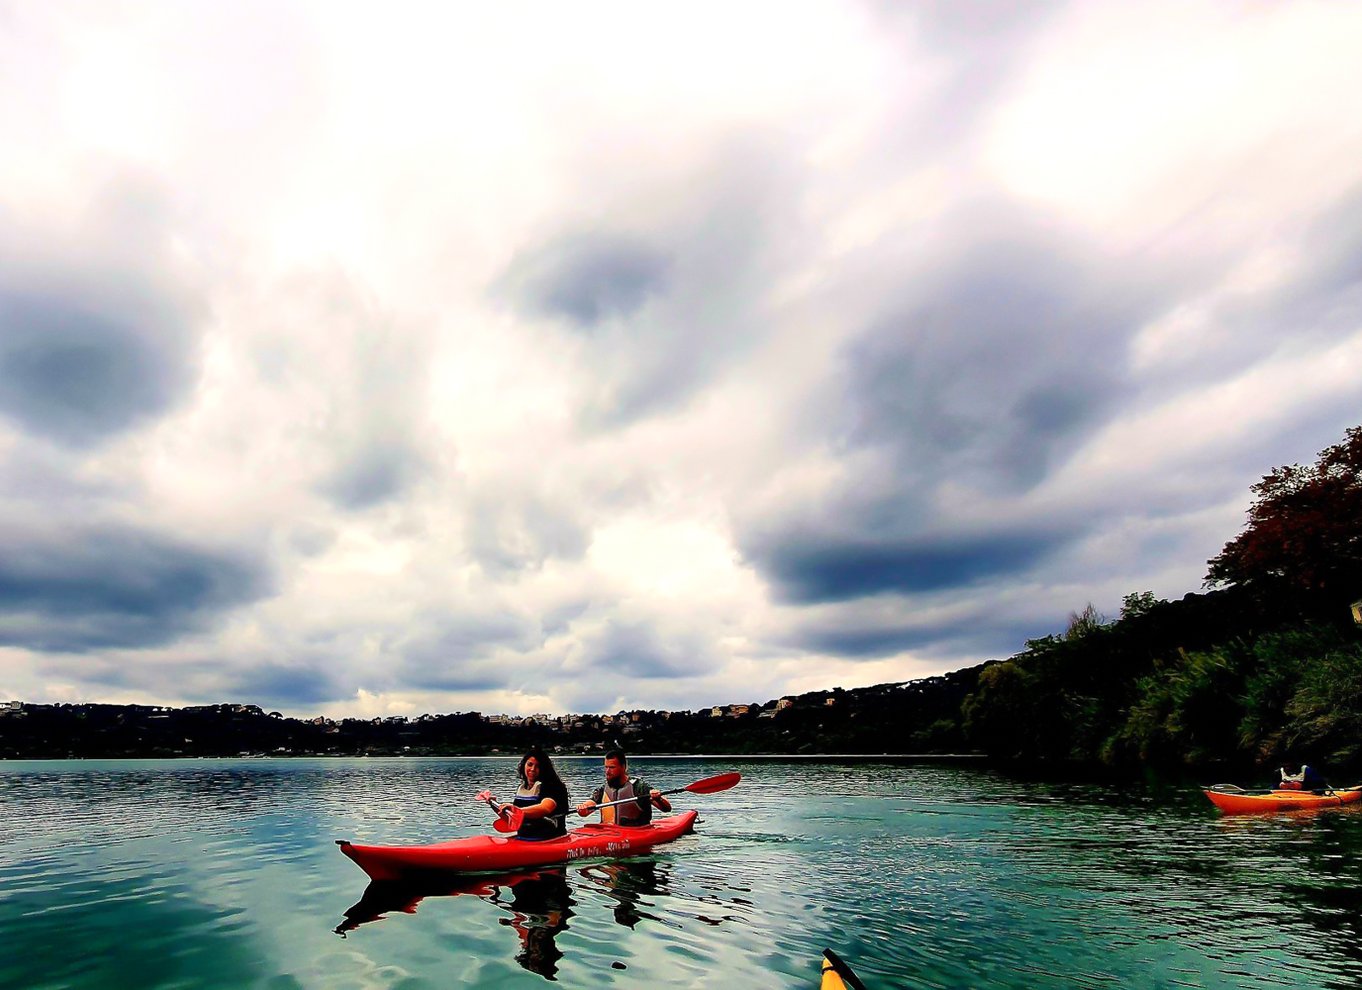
1085,623
1304,528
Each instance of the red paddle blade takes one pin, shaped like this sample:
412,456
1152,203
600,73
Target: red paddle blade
711,785
509,820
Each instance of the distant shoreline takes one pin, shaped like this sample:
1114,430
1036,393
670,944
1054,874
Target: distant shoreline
862,757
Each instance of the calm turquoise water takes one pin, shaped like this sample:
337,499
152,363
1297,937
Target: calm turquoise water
224,874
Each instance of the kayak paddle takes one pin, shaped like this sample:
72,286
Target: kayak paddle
508,818
710,785
837,974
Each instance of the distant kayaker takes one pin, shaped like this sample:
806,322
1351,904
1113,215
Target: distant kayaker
1301,777
542,798
619,786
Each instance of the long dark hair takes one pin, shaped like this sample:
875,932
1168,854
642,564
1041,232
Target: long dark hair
548,776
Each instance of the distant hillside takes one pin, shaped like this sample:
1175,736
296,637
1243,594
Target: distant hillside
921,716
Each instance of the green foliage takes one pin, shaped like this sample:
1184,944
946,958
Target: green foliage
1084,623
1138,603
1209,679
1187,715
1269,686
1046,703
1325,713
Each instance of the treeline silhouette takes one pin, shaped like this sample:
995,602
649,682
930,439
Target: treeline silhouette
924,716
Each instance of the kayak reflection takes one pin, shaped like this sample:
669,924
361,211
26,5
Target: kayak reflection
628,882
539,904
540,907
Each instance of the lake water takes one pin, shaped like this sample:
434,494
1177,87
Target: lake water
218,873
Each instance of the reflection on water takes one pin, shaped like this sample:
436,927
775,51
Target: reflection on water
538,903
223,874
633,884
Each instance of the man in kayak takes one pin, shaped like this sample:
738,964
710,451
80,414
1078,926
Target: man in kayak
542,798
1302,778
619,786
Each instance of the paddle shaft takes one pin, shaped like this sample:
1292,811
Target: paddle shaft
709,785
632,800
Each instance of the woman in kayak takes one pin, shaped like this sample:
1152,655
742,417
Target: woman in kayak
542,798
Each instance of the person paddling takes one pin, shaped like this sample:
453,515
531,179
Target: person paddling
619,786
542,798
1302,777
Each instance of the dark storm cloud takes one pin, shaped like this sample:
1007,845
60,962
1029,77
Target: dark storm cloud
512,531
667,306
588,277
950,639
281,685
1324,301
47,479
871,643
991,365
452,652
95,588
998,363
628,648
373,475
555,621
365,381
459,637
831,569
98,326
466,675
269,684
80,368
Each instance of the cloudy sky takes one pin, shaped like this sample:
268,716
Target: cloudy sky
397,358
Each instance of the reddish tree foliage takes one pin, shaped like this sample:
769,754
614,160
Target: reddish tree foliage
1304,528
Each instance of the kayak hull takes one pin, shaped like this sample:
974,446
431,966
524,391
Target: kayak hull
1232,803
486,853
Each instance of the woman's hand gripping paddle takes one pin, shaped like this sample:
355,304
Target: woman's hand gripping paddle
508,817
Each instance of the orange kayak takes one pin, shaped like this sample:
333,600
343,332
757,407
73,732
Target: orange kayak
1240,802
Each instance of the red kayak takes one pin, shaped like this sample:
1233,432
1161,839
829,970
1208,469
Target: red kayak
1234,801
482,853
